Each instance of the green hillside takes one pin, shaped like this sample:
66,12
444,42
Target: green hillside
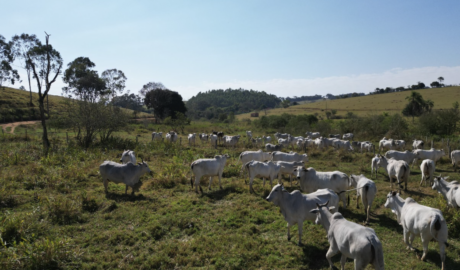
373,104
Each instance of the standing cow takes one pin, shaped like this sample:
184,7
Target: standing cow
127,174
208,167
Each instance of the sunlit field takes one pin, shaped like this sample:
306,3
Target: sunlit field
54,213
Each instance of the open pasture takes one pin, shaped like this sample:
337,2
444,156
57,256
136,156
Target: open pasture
55,214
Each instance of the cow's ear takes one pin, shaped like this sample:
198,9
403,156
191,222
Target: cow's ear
332,208
314,211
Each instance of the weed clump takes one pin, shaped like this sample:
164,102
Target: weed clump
63,211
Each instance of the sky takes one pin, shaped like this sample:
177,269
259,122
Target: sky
286,48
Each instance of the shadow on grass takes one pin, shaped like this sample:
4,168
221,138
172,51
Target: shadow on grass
126,197
390,223
412,192
219,194
314,257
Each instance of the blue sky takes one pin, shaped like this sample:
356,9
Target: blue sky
287,48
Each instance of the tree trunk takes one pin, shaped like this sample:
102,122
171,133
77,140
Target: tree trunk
30,87
46,142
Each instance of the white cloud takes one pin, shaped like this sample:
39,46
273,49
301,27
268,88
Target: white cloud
364,83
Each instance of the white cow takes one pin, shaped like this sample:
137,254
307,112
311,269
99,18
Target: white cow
396,169
455,157
366,189
386,143
128,156
417,144
400,144
283,142
288,168
296,206
127,174
420,220
258,155
432,154
300,144
208,167
450,191
171,136
407,156
428,167
313,135
348,136
336,136
267,139
214,139
342,144
271,147
367,146
231,140
290,157
249,134
350,239
157,136
268,170
191,139
375,165
256,141
281,135
203,137
319,142
311,180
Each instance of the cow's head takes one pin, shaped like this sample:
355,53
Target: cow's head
300,171
320,210
276,194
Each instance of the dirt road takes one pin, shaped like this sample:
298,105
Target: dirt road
15,124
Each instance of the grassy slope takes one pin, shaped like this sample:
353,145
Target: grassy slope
167,226
373,104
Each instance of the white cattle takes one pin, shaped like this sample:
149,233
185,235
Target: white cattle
366,189
283,142
192,139
450,191
428,167
300,144
329,141
214,139
296,206
421,220
271,147
203,137
171,136
249,134
396,169
350,239
231,140
313,135
400,144
267,139
342,144
289,157
375,165
281,135
311,180
455,157
293,140
417,144
208,167
432,154
367,146
348,136
268,170
256,141
128,156
388,144
407,156
157,136
288,168
127,174
336,136
258,155
319,142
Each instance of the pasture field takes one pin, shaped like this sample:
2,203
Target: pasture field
372,104
54,213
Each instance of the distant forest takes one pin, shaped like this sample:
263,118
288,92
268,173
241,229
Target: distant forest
224,104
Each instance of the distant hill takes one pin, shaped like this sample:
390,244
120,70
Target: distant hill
371,104
216,104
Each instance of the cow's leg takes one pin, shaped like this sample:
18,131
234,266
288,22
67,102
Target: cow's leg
343,260
264,181
290,179
300,226
220,177
330,253
289,231
411,240
344,200
406,234
197,183
442,251
421,181
357,201
210,182
425,242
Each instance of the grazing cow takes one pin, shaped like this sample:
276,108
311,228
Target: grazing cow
375,165
288,167
268,170
388,144
157,136
191,139
256,141
396,169
420,220
319,142
427,168
127,174
313,135
249,134
219,134
214,139
417,144
455,157
289,157
400,144
348,136
300,144
128,156
293,140
296,206
407,156
329,141
203,137
281,135
231,140
366,189
350,239
208,167
311,180
342,144
283,142
432,154
171,136
450,191
271,147
367,146
336,136
267,139
258,155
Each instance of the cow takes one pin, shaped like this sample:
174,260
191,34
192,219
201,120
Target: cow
400,144
396,169
432,154
231,140
386,143
342,144
450,191
319,142
288,167
256,141
336,136
271,147
366,189
214,139
350,239
171,136
283,142
367,146
128,156
296,206
191,139
127,174
407,156
267,139
219,134
268,170
313,135
417,144
427,168
300,144
375,165
289,157
157,136
249,134
281,135
311,180
208,167
329,141
421,220
293,140
348,136
203,137
258,155
455,157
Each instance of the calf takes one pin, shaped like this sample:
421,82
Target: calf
366,189
128,156
352,240
265,170
291,156
375,165
384,143
427,168
208,167
450,191
296,206
127,174
396,169
420,220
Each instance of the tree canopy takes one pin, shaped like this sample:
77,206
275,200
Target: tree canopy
165,103
7,73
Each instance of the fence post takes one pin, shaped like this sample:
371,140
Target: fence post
215,145
67,137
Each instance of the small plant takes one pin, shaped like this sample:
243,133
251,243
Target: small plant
62,210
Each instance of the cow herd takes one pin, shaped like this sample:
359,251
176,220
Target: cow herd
322,191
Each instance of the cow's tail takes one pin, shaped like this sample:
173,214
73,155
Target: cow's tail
247,167
435,227
377,254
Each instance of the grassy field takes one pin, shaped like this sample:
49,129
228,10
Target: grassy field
54,213
373,104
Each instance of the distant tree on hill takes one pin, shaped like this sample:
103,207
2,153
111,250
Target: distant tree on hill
7,73
165,103
416,105
441,79
114,80
151,86
435,84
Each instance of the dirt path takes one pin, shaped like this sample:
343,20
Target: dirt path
15,124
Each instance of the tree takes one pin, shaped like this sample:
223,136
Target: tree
435,84
7,73
416,105
285,103
165,103
429,104
46,64
441,79
20,46
151,86
114,80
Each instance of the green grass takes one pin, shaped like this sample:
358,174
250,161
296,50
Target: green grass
54,213
373,104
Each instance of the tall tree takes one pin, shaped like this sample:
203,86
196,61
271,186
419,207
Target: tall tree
441,79
151,86
7,73
114,80
46,64
165,103
20,46
416,105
